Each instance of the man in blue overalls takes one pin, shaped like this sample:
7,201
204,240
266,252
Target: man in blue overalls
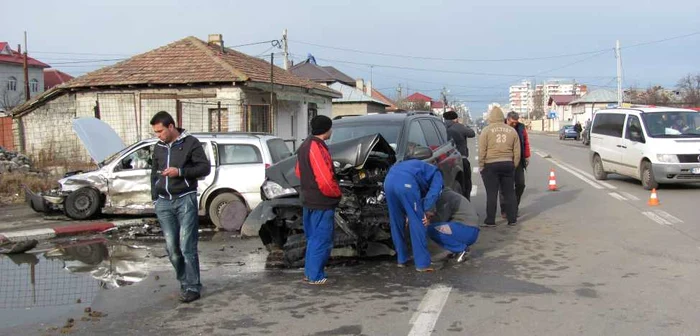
412,186
454,224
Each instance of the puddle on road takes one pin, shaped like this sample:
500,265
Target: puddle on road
66,278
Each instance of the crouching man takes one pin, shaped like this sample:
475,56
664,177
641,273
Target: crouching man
454,225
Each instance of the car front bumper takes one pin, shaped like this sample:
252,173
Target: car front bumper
676,172
42,203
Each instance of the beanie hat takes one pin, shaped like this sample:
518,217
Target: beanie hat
320,125
450,115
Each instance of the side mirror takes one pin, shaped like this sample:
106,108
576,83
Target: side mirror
421,153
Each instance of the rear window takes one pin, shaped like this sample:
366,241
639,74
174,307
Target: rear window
610,124
390,132
230,154
278,150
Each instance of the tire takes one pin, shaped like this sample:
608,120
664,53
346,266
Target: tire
83,203
227,211
295,248
598,170
647,176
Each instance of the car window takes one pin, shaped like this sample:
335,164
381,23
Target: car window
205,147
443,132
230,154
608,124
431,136
278,150
633,125
139,159
416,136
672,124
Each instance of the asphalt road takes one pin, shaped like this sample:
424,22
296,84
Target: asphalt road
590,259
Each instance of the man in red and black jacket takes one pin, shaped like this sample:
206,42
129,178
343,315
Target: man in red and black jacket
320,194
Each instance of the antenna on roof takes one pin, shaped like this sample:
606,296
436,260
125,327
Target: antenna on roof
310,58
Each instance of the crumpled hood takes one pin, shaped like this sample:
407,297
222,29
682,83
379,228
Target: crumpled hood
496,116
98,137
349,154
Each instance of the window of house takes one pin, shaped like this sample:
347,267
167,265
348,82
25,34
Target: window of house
231,154
12,84
259,119
34,85
218,120
311,113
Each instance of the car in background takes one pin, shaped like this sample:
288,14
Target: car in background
121,184
363,149
568,132
652,144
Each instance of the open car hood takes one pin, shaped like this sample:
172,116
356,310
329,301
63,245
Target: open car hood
349,154
99,139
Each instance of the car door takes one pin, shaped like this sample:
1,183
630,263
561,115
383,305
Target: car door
632,147
129,183
240,167
446,156
204,183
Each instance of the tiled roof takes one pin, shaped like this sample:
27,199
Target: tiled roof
17,58
597,96
561,99
418,97
325,74
380,96
353,95
190,61
53,77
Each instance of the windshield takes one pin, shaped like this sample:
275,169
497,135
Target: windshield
672,124
390,132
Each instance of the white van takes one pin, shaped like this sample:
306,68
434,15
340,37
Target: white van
652,144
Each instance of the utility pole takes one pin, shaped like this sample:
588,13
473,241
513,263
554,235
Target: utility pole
619,73
399,93
444,100
286,49
26,70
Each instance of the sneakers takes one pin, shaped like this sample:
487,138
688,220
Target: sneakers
399,265
189,296
487,224
318,282
428,269
464,255
513,224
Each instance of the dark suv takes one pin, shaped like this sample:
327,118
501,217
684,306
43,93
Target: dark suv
363,149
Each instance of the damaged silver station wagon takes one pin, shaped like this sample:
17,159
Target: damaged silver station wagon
122,182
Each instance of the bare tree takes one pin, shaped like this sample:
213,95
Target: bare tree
413,105
9,100
538,105
689,86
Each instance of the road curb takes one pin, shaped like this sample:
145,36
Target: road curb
69,230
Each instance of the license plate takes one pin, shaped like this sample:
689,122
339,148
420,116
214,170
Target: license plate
695,171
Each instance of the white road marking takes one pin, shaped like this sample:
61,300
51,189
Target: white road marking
475,170
590,176
540,154
656,218
668,217
473,192
629,196
617,196
572,172
424,319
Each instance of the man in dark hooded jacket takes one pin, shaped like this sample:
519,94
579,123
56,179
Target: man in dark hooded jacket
459,134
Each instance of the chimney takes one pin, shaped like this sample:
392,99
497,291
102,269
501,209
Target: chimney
360,84
19,49
369,88
217,40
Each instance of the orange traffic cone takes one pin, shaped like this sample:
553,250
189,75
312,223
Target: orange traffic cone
552,181
653,199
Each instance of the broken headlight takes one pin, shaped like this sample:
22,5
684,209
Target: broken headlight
273,190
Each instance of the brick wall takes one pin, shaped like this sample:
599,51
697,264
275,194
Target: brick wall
6,138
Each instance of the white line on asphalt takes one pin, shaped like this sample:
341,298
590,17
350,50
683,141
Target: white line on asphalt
590,176
668,217
475,170
581,177
473,192
629,196
617,196
656,218
424,319
540,154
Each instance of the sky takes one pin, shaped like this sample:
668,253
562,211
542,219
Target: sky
474,49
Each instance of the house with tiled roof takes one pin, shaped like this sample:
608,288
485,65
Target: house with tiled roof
559,104
55,77
204,85
12,87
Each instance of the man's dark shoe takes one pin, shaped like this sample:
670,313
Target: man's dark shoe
512,223
464,255
488,225
503,215
189,296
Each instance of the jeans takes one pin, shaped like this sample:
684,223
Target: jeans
460,236
180,223
499,176
318,229
467,179
519,189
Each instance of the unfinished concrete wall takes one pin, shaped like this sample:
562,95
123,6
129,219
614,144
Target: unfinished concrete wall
349,109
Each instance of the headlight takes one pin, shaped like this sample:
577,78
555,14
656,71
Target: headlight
274,190
667,158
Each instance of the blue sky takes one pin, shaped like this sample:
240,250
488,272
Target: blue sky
81,31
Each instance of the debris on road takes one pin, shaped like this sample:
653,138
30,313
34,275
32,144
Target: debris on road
18,247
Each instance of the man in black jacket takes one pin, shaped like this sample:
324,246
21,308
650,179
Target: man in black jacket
459,134
178,161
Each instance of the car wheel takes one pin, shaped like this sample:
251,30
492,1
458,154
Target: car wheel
598,172
227,211
647,176
82,203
